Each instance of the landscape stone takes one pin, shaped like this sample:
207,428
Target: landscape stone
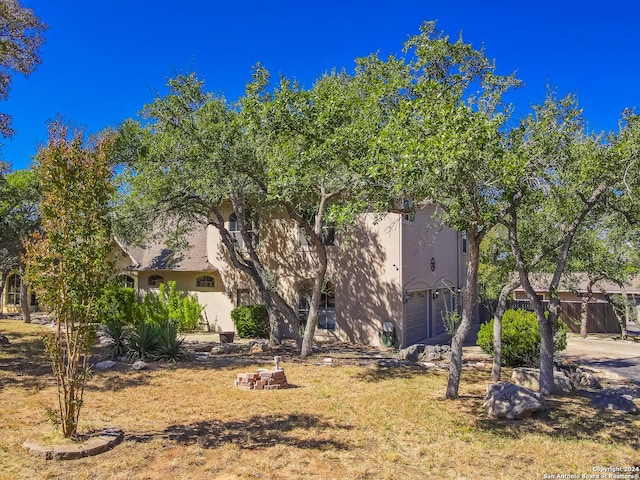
619,403
433,353
106,365
412,353
584,379
3,340
258,347
138,365
530,378
509,401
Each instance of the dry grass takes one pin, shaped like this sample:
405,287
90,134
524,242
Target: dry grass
342,421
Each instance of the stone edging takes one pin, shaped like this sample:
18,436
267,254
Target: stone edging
108,438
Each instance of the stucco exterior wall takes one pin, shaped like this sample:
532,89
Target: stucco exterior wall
433,268
363,266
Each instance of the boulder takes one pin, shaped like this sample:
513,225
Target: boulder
530,378
258,347
412,353
138,365
509,401
584,379
3,340
106,365
618,403
434,353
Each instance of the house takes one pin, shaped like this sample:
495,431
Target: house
573,288
402,269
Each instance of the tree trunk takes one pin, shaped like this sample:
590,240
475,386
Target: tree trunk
24,301
497,329
1,297
584,307
546,326
468,302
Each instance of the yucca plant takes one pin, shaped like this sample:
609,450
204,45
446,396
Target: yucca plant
143,341
170,345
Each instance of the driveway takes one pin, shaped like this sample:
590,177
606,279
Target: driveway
618,356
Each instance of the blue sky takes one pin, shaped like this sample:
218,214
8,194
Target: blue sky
104,60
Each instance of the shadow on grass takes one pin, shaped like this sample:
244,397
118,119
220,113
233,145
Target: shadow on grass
253,433
24,362
571,418
400,371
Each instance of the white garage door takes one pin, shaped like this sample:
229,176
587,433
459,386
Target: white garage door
416,317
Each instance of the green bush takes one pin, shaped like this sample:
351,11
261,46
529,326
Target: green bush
251,321
520,338
185,311
170,346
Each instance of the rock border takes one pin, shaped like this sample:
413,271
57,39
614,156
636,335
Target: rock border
108,438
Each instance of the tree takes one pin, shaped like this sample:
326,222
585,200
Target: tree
562,173
19,217
190,159
310,140
21,38
443,147
67,263
605,250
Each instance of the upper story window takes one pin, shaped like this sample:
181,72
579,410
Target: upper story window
205,281
408,208
234,228
155,280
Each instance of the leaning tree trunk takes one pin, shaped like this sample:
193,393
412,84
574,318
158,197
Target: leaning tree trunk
471,291
497,329
24,301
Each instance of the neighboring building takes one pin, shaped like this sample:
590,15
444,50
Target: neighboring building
573,287
403,269
10,299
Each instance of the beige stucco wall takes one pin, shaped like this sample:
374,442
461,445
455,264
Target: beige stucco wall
363,266
424,239
218,305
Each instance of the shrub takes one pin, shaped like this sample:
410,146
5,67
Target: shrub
144,341
170,346
185,311
251,321
520,338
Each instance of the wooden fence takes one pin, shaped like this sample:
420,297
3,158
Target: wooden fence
600,316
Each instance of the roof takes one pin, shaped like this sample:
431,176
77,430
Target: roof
578,282
155,255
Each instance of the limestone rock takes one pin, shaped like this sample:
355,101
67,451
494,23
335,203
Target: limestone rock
434,353
509,401
584,379
258,347
530,378
106,365
619,403
412,353
138,365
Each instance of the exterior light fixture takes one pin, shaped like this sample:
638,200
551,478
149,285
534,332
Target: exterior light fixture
433,264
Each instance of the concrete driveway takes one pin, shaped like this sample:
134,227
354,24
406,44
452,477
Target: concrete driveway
618,356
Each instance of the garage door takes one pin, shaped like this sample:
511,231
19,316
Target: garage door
416,317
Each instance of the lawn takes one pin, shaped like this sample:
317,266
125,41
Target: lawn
344,420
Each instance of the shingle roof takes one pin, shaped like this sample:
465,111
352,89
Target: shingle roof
155,255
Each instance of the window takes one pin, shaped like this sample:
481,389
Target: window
408,208
205,282
155,280
126,281
327,236
326,308
234,228
13,290
464,242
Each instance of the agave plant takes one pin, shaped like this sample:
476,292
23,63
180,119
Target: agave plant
170,345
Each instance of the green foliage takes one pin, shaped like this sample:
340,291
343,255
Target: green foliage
67,259
119,304
451,321
185,311
251,321
144,341
520,338
170,346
